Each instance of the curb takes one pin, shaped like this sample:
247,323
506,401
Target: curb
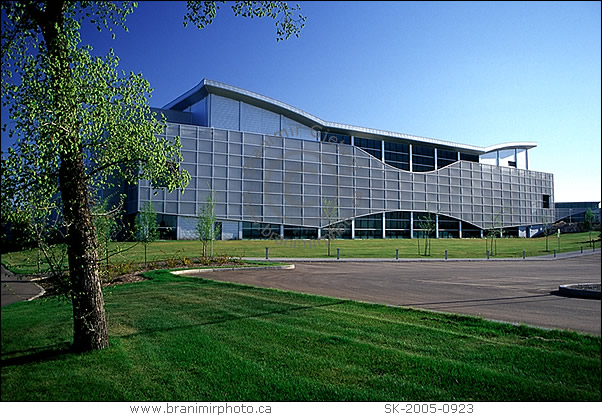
15,288
41,293
202,270
559,256
572,290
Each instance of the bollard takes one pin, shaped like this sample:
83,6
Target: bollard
266,252
446,254
487,254
581,249
397,253
524,254
338,253
554,253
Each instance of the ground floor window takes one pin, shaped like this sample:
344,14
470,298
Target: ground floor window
257,230
299,232
168,225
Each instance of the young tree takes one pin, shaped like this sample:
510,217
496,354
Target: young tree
106,225
146,229
428,226
588,223
494,232
206,222
330,210
79,122
546,230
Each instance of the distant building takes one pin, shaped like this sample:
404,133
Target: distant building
573,212
275,170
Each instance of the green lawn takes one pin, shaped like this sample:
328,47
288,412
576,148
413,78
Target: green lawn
26,261
187,339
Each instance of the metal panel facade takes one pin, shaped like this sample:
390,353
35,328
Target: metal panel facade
268,167
287,181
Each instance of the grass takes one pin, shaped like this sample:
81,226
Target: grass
187,339
26,261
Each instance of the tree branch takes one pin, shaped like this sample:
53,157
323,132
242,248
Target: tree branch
114,163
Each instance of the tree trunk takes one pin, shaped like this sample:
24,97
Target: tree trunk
89,320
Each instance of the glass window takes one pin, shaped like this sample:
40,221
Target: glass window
469,157
397,220
167,226
340,230
423,151
298,232
373,147
335,138
445,158
423,158
397,155
372,222
397,147
256,230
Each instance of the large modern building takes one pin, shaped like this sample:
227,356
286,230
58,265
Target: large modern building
279,172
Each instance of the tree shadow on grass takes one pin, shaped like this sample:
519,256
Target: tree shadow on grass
36,354
232,318
54,352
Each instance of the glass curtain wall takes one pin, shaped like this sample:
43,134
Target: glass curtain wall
397,155
369,227
423,158
373,147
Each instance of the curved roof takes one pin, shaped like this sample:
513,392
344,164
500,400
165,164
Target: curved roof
206,87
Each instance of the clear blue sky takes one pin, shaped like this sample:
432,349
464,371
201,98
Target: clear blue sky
474,73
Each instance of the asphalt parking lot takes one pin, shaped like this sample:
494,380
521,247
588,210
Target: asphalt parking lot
510,291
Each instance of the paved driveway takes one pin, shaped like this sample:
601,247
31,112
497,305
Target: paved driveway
15,289
512,291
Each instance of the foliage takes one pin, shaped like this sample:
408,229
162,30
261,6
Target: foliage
428,226
206,222
588,223
288,22
107,225
547,230
494,231
146,229
330,211
79,123
116,133
220,260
